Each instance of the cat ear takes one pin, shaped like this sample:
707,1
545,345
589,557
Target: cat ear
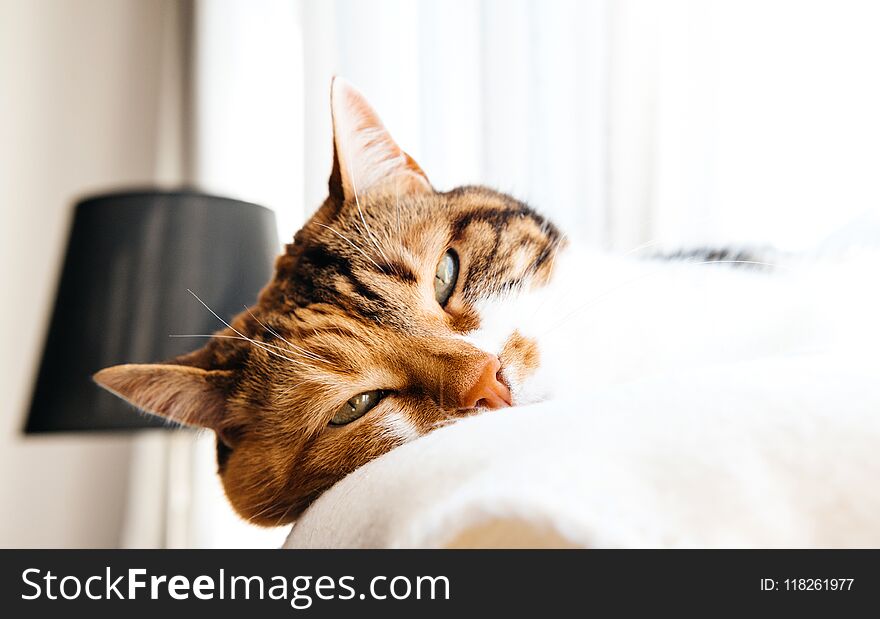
184,394
365,157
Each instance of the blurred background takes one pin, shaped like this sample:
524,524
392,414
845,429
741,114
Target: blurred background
633,123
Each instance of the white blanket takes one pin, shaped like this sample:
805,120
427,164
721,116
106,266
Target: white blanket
776,453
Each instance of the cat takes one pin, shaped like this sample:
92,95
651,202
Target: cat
398,309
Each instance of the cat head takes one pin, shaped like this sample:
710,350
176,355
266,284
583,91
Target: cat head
361,341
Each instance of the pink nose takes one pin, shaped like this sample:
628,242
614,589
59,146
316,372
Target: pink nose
487,390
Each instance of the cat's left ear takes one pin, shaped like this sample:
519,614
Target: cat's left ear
365,157
184,394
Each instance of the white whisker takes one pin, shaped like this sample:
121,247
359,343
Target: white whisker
262,345
294,348
254,342
361,212
346,239
641,246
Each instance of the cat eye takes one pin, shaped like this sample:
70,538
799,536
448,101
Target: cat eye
356,407
446,277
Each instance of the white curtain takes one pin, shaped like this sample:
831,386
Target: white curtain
508,93
742,121
632,123
626,121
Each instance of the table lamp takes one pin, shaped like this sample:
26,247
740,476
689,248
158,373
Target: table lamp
131,257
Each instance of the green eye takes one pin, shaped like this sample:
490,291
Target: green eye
446,276
356,408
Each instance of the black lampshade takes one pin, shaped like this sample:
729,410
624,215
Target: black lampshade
130,259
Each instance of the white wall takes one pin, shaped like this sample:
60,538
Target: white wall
79,112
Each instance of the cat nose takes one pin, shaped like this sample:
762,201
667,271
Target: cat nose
487,390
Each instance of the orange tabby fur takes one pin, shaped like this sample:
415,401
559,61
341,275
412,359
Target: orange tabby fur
351,308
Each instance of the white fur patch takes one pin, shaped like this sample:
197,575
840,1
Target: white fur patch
606,319
398,426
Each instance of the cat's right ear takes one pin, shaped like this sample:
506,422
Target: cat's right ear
184,394
365,156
